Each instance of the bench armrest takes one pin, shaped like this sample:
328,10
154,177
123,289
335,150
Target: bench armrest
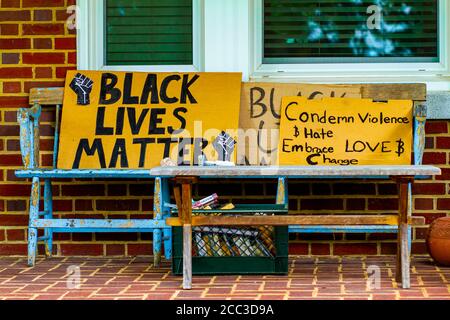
28,119
420,117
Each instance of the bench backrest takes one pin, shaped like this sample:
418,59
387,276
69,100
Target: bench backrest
29,117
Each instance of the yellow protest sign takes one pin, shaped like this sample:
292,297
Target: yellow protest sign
259,119
345,131
126,120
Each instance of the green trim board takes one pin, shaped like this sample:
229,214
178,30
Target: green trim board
142,32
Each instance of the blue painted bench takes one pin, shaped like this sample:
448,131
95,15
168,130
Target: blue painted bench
29,138
28,119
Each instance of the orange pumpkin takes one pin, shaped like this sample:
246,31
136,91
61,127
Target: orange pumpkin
438,241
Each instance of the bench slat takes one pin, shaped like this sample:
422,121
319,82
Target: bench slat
46,96
84,174
343,229
376,91
298,171
398,91
293,220
99,223
241,172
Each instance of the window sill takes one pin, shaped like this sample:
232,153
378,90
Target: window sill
438,87
433,82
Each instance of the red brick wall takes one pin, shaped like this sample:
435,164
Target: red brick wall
36,50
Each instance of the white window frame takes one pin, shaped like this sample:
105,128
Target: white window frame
354,71
91,40
228,38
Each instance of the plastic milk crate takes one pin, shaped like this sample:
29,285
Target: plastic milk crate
235,250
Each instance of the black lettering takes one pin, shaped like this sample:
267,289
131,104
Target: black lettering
272,105
199,145
384,147
332,119
119,120
100,129
136,125
260,147
361,144
119,150
363,119
176,114
341,162
374,148
155,120
346,147
185,92
150,86
287,109
183,151
165,85
143,142
254,103
314,95
285,146
97,147
333,94
108,87
304,117
310,159
127,86
167,142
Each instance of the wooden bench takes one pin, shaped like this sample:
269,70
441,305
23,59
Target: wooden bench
28,119
29,124
402,175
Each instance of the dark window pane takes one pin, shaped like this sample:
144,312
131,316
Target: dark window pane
342,31
149,32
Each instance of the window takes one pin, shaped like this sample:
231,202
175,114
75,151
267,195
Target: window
149,32
350,31
300,40
140,35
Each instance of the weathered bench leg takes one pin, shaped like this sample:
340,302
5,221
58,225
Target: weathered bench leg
184,201
410,206
48,208
34,215
167,233
403,255
187,256
157,215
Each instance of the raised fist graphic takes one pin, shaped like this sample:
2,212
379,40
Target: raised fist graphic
224,145
82,86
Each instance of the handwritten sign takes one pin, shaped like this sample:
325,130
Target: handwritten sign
344,131
260,115
134,120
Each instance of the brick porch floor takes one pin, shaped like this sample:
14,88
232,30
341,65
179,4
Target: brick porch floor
135,278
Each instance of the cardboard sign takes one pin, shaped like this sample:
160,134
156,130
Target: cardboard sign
342,131
260,115
134,120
